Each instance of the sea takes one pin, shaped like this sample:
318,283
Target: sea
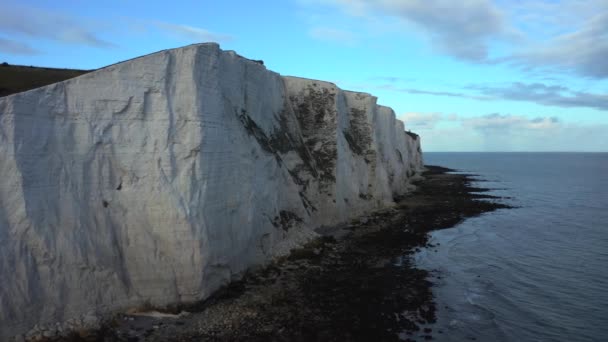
537,272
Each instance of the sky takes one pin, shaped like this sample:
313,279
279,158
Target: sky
467,75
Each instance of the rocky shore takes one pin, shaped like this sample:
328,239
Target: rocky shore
355,283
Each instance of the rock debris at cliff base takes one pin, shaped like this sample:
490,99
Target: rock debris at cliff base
360,286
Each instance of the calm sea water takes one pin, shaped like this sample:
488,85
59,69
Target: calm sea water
535,273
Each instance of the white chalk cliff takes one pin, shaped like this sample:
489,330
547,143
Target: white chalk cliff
159,179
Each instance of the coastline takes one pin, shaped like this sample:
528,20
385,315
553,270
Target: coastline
356,282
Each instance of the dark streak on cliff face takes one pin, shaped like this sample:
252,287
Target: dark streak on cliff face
286,220
400,156
254,130
283,141
316,113
359,134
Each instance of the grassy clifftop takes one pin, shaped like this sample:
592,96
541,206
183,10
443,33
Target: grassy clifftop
18,78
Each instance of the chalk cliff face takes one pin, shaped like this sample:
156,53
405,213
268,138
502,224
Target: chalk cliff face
159,179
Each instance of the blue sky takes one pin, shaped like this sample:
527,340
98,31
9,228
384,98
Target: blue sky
467,75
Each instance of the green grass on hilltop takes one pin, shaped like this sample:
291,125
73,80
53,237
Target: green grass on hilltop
18,78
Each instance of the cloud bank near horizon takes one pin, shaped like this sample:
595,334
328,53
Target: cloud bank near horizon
504,133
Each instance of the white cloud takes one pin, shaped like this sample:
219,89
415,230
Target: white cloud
550,95
494,123
567,36
18,20
26,22
417,121
539,93
16,48
192,33
458,28
505,132
581,51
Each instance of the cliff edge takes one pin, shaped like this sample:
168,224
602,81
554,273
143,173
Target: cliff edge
159,179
